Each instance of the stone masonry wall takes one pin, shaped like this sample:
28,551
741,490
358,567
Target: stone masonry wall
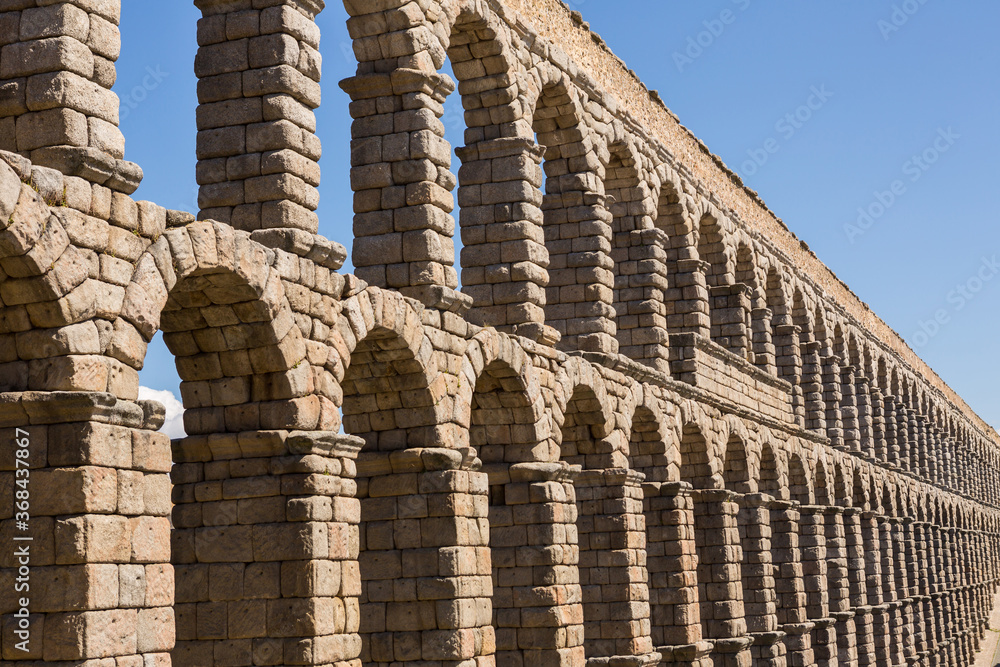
648,429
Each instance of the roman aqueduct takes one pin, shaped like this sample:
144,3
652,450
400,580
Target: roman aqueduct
650,428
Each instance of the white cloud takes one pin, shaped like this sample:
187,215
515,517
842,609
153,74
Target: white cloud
174,424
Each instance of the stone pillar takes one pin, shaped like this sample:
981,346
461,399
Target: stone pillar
56,104
612,539
913,572
839,587
921,577
812,529
265,546
865,413
864,641
937,584
672,562
401,173
879,426
890,592
92,541
892,434
580,295
914,459
849,410
535,558
258,84
833,397
504,258
903,588
881,619
789,584
762,340
786,343
424,561
719,576
687,298
950,457
926,449
640,297
758,572
729,306
812,387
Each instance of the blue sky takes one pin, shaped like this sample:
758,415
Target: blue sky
869,127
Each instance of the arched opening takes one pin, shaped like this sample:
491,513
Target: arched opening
798,481
504,259
648,449
748,301
716,534
246,382
736,472
769,481
638,255
579,301
503,432
696,464
388,403
584,426
823,489
648,454
712,251
753,522
682,314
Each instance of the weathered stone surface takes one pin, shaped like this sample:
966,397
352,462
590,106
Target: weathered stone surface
639,435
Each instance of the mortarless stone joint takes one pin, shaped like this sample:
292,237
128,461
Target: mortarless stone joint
650,428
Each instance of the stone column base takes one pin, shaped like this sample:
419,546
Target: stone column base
687,655
769,649
733,652
798,641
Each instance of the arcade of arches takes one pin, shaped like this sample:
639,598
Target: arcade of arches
650,428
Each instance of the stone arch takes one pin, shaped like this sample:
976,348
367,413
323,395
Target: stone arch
770,479
889,507
401,410
651,450
579,300
713,249
824,490
224,316
577,379
252,397
745,301
626,188
777,297
859,490
736,465
500,400
842,492
698,464
500,390
672,215
801,315
390,399
799,485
